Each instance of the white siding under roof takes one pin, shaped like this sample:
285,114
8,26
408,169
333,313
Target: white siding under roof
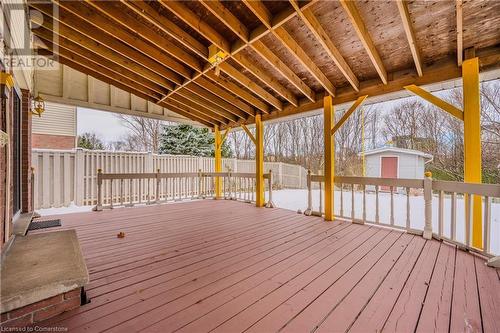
58,119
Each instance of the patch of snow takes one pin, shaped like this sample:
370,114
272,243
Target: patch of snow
72,208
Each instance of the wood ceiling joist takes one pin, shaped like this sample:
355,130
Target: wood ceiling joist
322,37
206,104
90,31
410,34
236,90
265,78
358,24
67,47
104,23
104,51
189,114
98,75
175,105
296,50
120,16
260,10
250,85
180,100
460,31
224,94
225,16
283,69
195,22
198,90
150,14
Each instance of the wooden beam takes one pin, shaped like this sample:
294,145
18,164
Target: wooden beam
195,113
91,45
322,37
329,161
451,109
283,69
266,78
185,103
188,114
200,91
261,11
119,15
151,15
226,132
197,23
460,31
235,89
251,85
202,102
304,59
250,135
259,162
348,113
225,16
224,94
410,34
46,37
365,38
104,23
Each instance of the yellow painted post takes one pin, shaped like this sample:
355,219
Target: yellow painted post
329,121
472,142
218,161
259,161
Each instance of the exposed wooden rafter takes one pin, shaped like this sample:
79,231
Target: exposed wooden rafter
460,31
410,34
364,36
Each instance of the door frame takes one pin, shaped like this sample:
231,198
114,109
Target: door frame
380,164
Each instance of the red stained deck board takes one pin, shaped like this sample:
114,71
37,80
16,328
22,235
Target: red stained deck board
229,266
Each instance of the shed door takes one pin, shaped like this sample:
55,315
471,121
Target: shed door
389,169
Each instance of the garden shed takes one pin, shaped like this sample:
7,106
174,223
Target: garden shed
393,162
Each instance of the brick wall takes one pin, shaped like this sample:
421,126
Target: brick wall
43,310
47,141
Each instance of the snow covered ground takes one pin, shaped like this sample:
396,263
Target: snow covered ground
297,199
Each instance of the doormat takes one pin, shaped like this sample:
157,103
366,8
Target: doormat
44,224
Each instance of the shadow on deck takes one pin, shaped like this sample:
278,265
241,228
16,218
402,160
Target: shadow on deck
229,267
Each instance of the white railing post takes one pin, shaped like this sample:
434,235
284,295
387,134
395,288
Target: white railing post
308,211
270,203
98,207
79,176
428,205
157,185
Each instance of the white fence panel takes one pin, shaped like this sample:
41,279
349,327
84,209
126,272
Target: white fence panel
66,176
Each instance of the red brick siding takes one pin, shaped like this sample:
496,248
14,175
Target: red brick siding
43,310
48,141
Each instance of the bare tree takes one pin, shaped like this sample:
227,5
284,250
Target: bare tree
145,132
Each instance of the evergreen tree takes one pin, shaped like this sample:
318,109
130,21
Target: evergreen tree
91,141
190,140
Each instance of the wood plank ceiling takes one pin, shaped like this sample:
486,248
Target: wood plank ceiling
282,56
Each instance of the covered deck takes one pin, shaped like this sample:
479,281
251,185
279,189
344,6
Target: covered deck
226,266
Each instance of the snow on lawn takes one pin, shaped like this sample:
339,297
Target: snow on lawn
297,199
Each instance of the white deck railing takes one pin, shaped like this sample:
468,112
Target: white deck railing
430,197
129,189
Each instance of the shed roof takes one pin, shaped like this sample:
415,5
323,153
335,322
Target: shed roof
398,150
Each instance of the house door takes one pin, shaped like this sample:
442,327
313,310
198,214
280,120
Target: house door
388,169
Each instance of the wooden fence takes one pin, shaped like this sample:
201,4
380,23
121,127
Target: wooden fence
63,177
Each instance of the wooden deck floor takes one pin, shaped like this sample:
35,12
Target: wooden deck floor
225,266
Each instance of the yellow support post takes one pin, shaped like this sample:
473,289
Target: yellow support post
259,161
472,142
218,160
328,122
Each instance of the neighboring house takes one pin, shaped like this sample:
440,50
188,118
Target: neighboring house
56,129
392,162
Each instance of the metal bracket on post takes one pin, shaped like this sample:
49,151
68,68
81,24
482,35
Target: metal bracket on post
98,207
428,205
308,211
270,203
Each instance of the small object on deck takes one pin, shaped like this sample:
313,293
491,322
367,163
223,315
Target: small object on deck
299,211
37,225
121,234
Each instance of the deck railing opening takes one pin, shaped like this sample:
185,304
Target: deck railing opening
129,189
421,206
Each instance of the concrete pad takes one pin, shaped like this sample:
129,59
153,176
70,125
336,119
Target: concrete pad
40,266
22,223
